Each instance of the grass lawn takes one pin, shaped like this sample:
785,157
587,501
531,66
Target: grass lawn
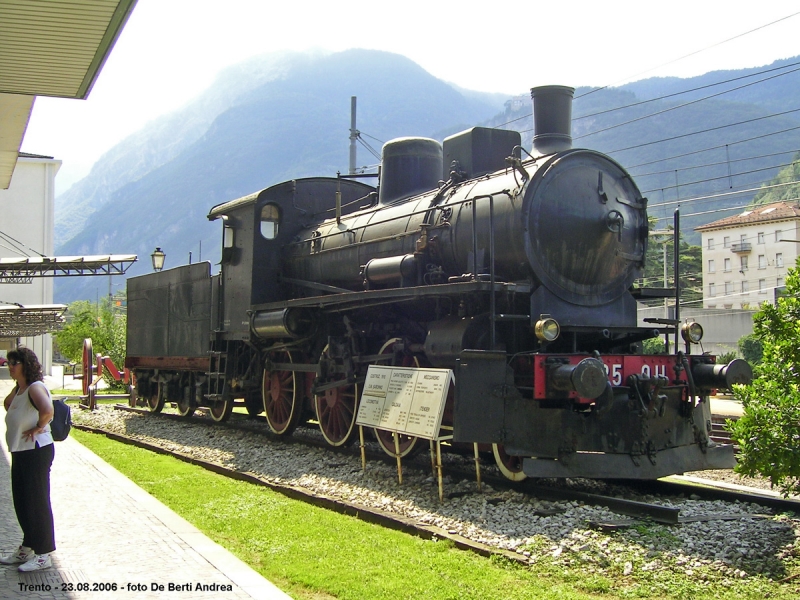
318,554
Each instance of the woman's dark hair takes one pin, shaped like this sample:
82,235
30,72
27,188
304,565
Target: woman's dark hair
31,367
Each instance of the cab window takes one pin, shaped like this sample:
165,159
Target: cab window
270,219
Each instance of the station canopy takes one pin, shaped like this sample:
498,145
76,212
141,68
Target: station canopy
28,321
24,269
50,48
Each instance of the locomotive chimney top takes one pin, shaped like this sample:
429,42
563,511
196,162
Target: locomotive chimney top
552,118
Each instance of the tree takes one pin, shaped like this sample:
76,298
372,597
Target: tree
751,348
788,193
768,433
690,261
100,322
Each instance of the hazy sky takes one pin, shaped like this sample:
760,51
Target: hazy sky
171,50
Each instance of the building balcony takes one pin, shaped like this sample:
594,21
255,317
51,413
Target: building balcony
742,247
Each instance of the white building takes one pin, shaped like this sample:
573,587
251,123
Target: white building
745,257
26,229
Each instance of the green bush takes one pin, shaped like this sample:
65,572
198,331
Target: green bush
751,348
768,432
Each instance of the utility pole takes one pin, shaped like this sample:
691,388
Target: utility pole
353,135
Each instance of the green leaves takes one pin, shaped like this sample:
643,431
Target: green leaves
768,432
100,322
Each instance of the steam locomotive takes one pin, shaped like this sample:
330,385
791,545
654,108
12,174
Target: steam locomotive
513,269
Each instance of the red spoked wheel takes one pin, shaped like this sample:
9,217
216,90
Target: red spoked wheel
336,409
221,411
409,444
281,395
510,466
87,368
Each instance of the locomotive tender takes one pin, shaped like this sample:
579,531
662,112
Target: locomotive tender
516,272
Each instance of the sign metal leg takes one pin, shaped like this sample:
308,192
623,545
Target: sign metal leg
397,456
477,467
363,452
439,469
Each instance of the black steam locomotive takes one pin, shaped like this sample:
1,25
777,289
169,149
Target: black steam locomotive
514,271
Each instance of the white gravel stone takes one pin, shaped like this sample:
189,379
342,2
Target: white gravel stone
507,519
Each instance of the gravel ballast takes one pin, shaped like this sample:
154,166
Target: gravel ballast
536,530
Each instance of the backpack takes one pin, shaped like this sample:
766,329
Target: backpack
62,419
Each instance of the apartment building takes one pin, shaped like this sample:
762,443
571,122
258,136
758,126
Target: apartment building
746,256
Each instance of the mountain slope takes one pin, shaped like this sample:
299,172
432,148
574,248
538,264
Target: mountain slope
293,126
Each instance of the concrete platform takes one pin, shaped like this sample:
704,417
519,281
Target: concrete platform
111,532
726,406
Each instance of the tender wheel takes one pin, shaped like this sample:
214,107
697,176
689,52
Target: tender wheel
155,398
280,394
336,410
221,411
186,406
510,466
87,367
409,444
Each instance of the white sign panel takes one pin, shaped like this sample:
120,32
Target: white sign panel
405,400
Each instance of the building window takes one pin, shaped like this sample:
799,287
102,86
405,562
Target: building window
712,290
778,233
711,267
760,237
726,241
728,288
727,265
710,243
762,286
743,239
745,286
779,259
762,261
743,263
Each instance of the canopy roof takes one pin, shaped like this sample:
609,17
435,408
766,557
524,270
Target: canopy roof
50,48
27,321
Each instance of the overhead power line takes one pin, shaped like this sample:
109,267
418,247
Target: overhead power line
681,93
685,104
693,53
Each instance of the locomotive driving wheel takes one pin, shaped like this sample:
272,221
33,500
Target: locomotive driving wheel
335,408
280,394
409,444
510,466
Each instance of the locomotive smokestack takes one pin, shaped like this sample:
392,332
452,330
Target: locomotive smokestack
552,118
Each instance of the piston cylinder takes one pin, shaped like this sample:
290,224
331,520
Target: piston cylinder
400,270
286,323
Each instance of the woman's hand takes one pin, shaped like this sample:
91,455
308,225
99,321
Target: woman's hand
32,432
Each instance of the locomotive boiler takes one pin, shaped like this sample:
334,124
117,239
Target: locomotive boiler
515,269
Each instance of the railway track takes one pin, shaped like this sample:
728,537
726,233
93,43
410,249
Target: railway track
635,509
526,522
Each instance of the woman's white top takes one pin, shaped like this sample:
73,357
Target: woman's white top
21,416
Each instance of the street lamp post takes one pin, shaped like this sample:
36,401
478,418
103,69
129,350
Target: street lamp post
158,258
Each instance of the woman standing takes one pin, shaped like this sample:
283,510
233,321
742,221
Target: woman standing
29,410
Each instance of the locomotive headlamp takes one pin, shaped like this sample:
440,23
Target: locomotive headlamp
692,333
547,329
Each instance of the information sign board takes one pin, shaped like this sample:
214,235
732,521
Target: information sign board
406,400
